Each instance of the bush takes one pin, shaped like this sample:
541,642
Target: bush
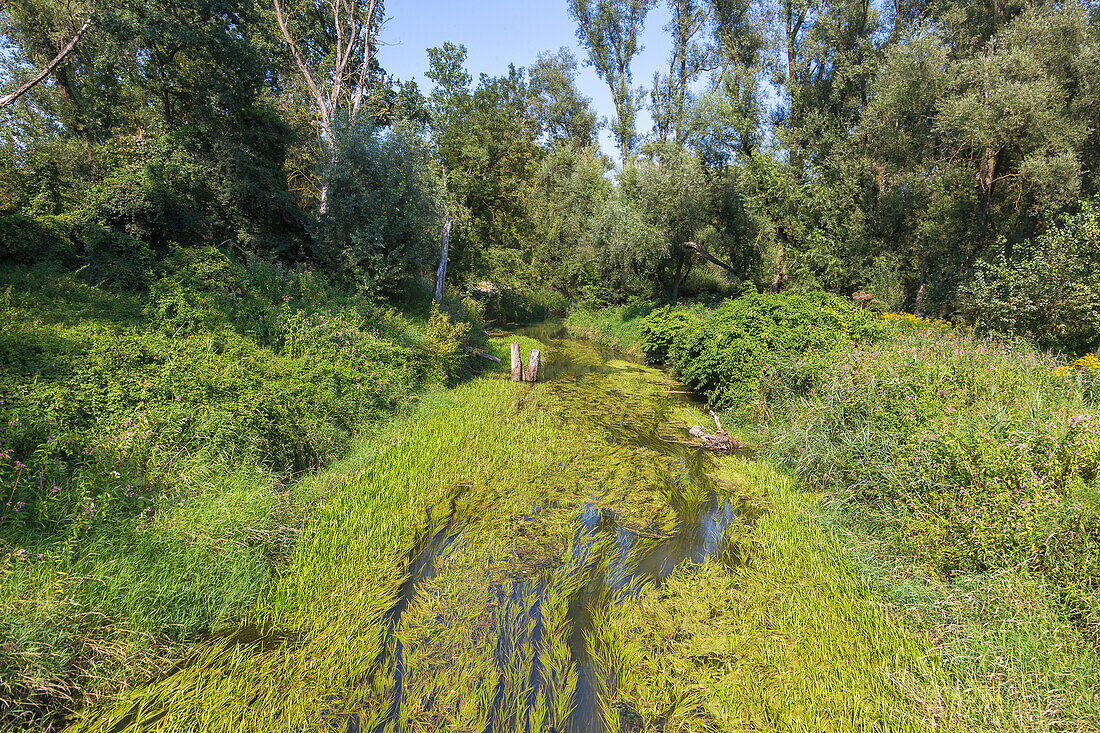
116,259
1049,290
384,210
722,353
444,339
49,239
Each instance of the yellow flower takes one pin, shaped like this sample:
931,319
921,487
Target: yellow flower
1089,365
908,319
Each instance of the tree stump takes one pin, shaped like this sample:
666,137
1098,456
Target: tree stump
532,373
517,363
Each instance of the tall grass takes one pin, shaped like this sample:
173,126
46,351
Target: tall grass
616,326
149,443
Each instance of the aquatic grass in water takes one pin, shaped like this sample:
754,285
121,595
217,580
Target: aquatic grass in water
604,576
463,661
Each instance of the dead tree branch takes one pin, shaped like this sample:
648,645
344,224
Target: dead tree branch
8,99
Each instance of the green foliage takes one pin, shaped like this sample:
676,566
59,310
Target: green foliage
723,352
443,342
26,240
973,454
116,259
147,439
1049,290
619,327
384,210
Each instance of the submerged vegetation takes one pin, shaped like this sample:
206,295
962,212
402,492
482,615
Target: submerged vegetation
960,470
252,476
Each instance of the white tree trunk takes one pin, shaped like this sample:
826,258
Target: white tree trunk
442,272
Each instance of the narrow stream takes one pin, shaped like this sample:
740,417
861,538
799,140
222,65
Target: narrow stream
608,561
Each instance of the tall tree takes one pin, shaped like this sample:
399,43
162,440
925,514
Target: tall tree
609,30
564,114
671,94
333,44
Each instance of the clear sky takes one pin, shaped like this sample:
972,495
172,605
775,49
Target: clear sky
499,32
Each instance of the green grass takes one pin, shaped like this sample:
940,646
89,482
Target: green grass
151,445
958,475
618,327
349,560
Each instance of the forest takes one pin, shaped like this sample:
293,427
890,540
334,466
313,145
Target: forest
251,450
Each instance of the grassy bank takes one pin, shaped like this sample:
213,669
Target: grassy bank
150,444
782,634
958,472
617,327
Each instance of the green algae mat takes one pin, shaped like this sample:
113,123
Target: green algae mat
556,557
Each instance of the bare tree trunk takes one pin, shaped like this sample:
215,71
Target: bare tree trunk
919,304
987,173
779,275
441,273
702,252
7,99
532,373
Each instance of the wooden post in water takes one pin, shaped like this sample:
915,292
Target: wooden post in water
532,374
517,363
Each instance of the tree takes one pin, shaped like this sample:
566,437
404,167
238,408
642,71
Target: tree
384,209
486,141
51,65
333,45
609,31
562,112
671,94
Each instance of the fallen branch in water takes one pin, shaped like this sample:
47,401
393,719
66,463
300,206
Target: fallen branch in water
482,354
720,441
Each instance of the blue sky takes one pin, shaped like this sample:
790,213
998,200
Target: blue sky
499,32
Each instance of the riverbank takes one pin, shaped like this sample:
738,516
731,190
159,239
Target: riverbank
528,557
905,445
151,446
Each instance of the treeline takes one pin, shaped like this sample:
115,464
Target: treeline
897,149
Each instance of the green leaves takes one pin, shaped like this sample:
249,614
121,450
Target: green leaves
723,353
1048,290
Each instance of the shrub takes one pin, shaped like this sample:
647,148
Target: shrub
116,259
1049,290
49,239
444,339
975,454
384,209
723,352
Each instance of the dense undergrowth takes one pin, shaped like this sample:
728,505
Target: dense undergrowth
963,469
149,438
